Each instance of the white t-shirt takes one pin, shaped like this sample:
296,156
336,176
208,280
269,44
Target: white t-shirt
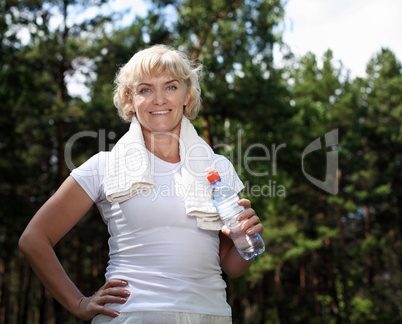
169,263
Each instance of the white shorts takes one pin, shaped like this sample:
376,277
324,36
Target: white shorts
162,318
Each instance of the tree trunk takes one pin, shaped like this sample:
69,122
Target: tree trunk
330,285
399,237
369,258
24,283
281,317
302,275
316,282
25,312
42,305
342,266
342,257
5,270
2,268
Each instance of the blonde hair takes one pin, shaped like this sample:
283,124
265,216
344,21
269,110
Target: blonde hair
155,61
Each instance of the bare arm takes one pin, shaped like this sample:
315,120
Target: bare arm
231,261
53,220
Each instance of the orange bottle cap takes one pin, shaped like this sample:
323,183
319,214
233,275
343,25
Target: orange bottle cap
212,176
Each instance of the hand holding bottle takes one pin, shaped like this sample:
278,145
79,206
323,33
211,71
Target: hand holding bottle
236,217
251,223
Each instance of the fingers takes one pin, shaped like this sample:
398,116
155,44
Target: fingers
247,213
252,225
245,203
111,296
226,230
115,283
251,222
110,293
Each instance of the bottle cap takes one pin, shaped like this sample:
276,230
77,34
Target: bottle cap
212,175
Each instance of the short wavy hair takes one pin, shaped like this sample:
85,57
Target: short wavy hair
155,61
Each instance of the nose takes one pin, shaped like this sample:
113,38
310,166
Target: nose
159,98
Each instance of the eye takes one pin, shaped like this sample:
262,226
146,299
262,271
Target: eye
144,90
171,87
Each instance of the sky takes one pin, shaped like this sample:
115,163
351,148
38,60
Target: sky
355,30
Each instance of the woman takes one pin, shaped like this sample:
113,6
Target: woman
166,250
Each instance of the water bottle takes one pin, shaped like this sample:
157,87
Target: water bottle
225,200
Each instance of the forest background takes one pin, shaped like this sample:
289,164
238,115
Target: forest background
330,258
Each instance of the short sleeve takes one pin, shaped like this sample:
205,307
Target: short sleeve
228,172
90,176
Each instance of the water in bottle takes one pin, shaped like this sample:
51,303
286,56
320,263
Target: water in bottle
225,200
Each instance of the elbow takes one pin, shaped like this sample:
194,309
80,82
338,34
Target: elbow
234,274
27,242
23,243
236,266
31,243
234,271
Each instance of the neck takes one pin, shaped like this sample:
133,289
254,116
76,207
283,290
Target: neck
163,145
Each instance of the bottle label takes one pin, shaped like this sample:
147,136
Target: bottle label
229,209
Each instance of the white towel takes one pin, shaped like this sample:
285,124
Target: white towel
129,172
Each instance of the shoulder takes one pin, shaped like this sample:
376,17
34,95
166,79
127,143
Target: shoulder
222,164
94,166
227,171
90,175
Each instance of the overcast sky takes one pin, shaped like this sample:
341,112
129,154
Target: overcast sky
354,30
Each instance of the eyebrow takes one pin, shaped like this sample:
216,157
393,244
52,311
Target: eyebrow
167,82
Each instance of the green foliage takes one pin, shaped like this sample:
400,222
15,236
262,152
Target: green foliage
363,311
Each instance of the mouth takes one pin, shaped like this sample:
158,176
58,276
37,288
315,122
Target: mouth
162,112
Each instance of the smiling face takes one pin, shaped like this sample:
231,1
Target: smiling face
158,103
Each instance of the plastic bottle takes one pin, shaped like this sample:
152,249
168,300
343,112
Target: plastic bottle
225,200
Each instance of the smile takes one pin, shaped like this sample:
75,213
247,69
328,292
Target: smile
160,112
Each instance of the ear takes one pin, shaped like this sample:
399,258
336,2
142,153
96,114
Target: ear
129,100
187,98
